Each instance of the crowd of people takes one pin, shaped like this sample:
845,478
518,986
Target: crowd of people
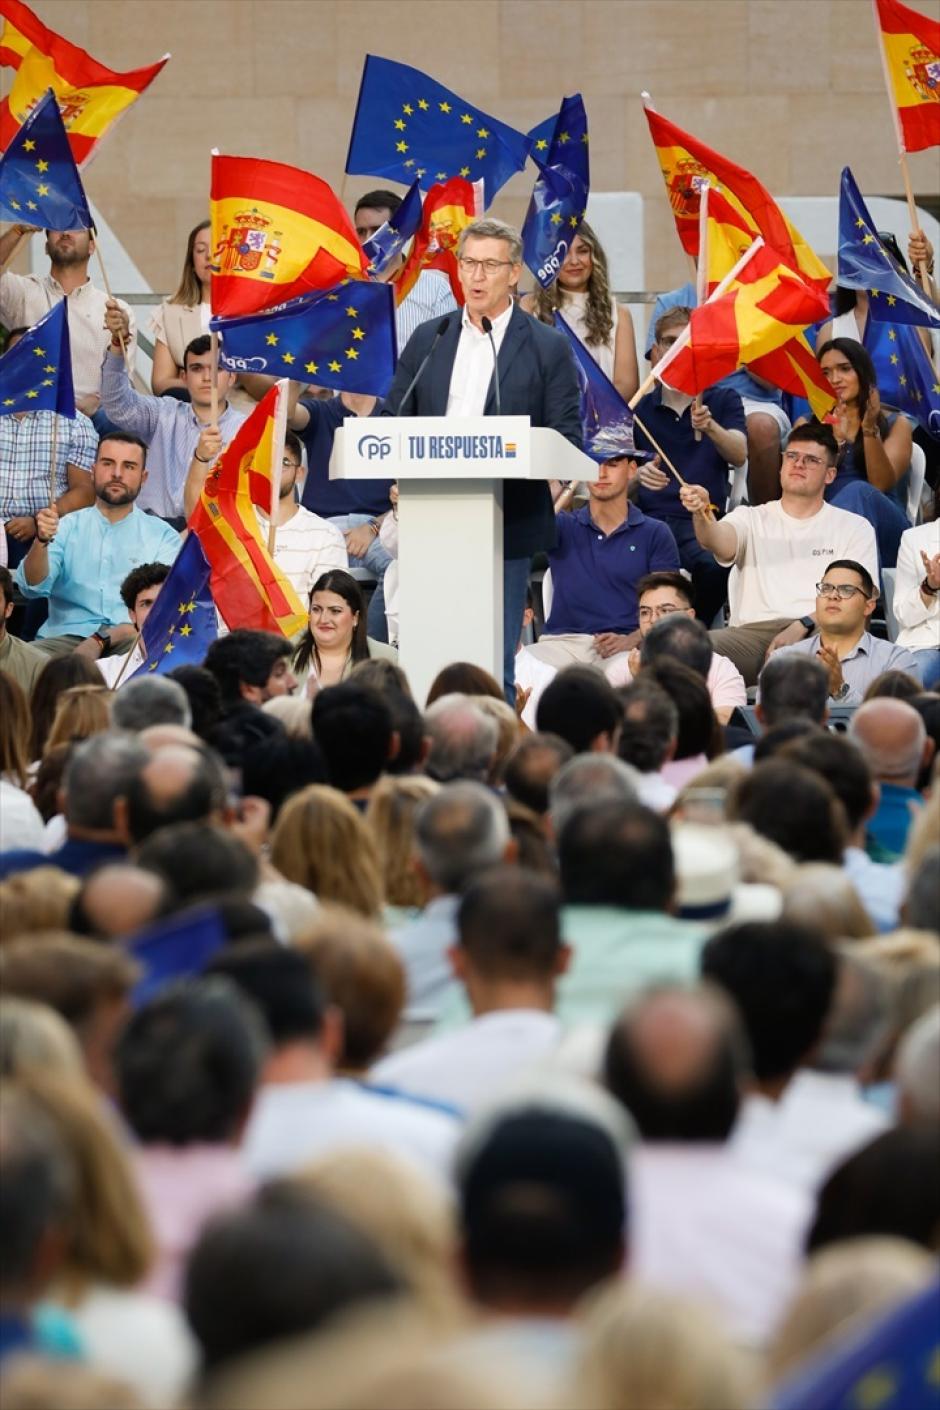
569,1039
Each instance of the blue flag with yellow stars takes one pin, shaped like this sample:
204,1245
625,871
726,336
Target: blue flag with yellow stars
39,181
892,1363
560,197
606,419
182,624
541,138
342,337
409,128
906,377
36,374
865,263
391,238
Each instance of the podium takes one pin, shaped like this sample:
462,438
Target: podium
450,472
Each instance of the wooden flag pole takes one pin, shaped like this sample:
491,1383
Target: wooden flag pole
214,354
277,455
902,151
126,662
659,450
53,458
107,289
701,272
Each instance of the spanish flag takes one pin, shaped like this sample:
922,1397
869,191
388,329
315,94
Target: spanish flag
686,163
249,590
910,45
447,209
277,232
90,96
766,307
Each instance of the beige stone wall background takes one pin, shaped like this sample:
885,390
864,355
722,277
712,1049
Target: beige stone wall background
791,89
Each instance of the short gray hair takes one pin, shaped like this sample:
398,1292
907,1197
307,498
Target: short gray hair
99,772
460,832
152,700
587,779
491,229
463,739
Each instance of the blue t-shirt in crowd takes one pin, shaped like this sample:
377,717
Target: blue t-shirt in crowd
332,498
594,575
696,461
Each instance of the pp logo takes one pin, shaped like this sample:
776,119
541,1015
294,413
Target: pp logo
375,447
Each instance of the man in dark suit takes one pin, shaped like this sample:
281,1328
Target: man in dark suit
537,378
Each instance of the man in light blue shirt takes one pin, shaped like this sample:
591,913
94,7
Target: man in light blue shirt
79,561
845,599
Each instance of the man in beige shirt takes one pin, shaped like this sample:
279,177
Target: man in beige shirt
17,658
25,298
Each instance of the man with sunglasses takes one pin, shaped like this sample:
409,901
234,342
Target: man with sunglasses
776,551
845,600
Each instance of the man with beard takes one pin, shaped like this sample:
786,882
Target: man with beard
79,562
26,298
305,546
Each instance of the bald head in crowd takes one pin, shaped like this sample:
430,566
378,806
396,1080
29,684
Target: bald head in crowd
893,738
177,784
117,900
463,739
676,1059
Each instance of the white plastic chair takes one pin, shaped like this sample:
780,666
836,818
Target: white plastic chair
548,593
888,583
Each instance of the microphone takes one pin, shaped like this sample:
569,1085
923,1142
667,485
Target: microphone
487,326
442,328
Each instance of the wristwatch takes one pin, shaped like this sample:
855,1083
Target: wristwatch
102,636
925,587
841,693
809,623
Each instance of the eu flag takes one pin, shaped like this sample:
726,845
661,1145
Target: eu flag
906,377
176,948
36,374
391,238
560,197
606,420
342,337
181,625
408,127
39,181
893,1363
865,263
541,138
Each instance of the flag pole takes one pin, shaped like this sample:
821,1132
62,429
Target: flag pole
657,373
126,662
107,288
701,273
53,458
277,456
214,391
902,150
658,449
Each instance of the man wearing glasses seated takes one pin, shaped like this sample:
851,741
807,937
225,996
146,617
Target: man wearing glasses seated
776,551
845,599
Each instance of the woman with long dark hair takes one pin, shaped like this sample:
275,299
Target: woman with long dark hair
581,294
335,639
874,445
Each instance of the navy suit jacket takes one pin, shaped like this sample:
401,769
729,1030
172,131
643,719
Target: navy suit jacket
537,378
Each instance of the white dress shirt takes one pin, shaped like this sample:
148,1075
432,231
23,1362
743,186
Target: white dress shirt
473,365
919,623
472,1064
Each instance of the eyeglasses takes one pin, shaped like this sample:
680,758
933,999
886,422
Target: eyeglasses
843,590
666,609
288,464
793,457
486,266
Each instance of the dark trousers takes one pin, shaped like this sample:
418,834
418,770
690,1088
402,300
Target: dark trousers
515,582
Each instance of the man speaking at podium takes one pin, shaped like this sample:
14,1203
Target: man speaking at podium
493,359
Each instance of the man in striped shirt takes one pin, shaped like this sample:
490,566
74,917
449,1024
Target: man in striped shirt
431,296
305,546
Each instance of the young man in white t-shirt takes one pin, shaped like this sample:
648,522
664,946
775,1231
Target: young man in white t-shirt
778,551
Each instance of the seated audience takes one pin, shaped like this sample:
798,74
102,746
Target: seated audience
19,660
139,591
182,317
794,807
353,727
894,742
917,1069
390,816
886,1188
463,740
532,766
336,637
699,737
358,969
581,706
916,597
321,842
305,546
649,738
585,780
154,700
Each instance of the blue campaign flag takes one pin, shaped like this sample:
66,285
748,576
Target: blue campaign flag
391,238
176,948
606,420
866,263
39,181
541,138
342,337
182,624
893,1363
409,127
906,377
560,197
36,374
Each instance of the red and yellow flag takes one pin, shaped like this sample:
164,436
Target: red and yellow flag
446,210
90,96
248,588
686,163
277,232
910,43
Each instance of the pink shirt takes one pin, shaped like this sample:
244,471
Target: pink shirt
725,682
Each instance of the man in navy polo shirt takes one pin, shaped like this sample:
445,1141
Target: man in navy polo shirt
673,420
356,507
602,552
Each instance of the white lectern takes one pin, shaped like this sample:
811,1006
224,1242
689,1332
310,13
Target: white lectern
450,472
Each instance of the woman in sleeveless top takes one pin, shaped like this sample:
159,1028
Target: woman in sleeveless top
581,294
183,317
874,446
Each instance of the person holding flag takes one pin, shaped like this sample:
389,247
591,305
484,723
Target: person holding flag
430,296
